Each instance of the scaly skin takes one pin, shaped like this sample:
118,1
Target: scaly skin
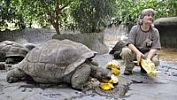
15,75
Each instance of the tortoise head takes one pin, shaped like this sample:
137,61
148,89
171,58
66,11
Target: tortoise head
105,74
100,73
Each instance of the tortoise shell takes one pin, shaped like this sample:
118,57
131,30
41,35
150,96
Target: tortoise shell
51,61
11,49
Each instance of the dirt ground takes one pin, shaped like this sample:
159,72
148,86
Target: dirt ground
168,54
162,87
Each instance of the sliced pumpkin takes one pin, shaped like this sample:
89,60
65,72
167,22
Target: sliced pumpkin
114,67
149,67
112,64
115,71
114,79
106,86
109,84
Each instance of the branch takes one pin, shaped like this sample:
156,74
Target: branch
49,13
65,5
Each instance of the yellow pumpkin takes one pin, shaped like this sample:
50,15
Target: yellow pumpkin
114,67
112,64
115,71
149,67
114,79
106,86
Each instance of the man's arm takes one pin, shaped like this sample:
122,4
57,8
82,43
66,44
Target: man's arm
136,51
133,48
151,53
155,44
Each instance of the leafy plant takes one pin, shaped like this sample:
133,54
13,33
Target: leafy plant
86,15
91,15
7,13
129,10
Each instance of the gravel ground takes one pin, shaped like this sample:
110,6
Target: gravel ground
162,87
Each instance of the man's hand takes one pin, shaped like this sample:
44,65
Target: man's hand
139,55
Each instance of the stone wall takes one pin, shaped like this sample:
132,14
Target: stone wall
93,41
28,35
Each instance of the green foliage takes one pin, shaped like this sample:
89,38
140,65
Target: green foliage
129,10
91,15
7,13
167,8
87,15
42,12
45,12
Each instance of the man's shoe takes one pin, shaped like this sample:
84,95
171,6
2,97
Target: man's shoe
127,72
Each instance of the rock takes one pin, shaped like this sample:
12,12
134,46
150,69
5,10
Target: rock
167,29
94,41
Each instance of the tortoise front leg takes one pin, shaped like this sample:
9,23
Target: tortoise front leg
15,75
80,77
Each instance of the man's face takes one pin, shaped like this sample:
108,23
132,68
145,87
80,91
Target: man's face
148,18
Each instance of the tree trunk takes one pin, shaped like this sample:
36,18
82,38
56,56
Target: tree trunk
57,29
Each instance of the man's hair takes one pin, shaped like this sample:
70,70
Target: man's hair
144,13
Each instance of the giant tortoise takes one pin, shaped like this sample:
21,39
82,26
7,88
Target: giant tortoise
12,51
59,62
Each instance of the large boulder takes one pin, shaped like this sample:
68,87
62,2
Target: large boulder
167,21
94,41
167,28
